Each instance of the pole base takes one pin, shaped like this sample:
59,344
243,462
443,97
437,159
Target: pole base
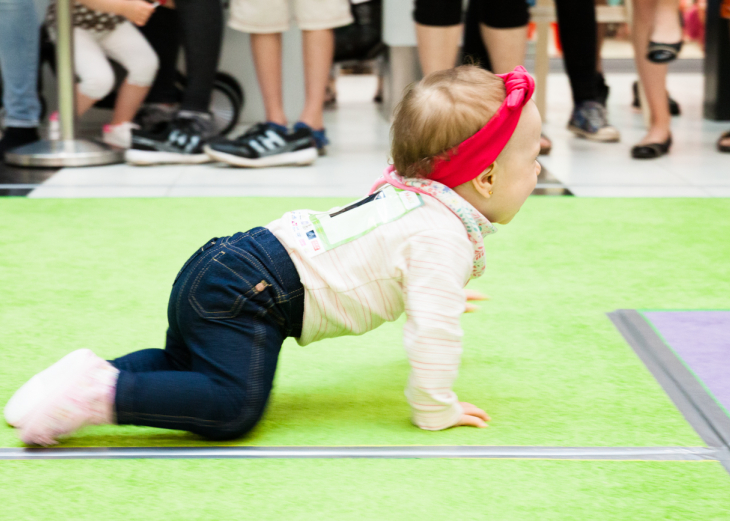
79,152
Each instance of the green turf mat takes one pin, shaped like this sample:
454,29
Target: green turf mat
541,357
363,490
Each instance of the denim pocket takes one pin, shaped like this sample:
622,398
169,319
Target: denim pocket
220,287
194,256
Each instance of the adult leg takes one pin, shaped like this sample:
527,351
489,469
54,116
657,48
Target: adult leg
504,30
653,76
19,48
318,48
473,49
577,26
266,50
162,33
201,28
438,32
667,27
503,26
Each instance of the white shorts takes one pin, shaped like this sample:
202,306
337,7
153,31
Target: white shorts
124,44
273,16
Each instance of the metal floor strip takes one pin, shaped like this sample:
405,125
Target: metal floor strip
486,452
688,395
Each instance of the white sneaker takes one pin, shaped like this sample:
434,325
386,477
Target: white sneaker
54,127
119,135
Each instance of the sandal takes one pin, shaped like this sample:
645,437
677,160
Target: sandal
545,150
720,146
651,150
663,52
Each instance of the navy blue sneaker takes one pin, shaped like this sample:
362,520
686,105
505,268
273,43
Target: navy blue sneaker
265,144
320,137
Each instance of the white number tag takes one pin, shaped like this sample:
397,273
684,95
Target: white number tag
320,232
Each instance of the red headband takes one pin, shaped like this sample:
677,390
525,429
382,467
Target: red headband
471,157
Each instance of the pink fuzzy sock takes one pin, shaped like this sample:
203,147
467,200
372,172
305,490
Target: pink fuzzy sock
88,399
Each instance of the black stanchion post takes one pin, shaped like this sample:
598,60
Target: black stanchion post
717,63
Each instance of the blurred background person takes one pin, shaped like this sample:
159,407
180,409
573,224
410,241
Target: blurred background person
271,142
657,39
496,36
19,54
101,29
181,134
723,144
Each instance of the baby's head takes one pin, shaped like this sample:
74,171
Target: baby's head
448,107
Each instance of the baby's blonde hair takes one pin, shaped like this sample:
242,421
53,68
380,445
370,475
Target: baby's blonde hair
439,112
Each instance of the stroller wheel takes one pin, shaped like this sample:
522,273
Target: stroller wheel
226,103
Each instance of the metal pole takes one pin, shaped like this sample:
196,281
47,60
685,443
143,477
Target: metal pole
65,70
69,151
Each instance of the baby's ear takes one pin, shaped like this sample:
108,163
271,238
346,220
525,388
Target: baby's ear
484,182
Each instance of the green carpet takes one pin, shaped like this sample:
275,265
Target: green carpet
541,357
360,490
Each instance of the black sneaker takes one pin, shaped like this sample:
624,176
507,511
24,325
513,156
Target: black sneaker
155,115
179,141
265,144
17,137
589,120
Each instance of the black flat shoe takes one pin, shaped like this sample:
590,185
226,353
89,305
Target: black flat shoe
663,52
720,146
651,150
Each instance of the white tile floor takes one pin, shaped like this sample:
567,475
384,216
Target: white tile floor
359,151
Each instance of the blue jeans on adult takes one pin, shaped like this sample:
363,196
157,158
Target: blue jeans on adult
19,48
231,307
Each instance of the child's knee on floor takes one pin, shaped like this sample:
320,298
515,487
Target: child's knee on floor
234,420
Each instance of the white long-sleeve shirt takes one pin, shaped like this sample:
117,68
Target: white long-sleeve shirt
418,263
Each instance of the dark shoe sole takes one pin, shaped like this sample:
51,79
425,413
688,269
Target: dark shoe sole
300,157
651,150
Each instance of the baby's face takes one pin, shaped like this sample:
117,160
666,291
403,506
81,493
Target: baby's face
519,167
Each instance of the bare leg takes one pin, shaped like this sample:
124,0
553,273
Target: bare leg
506,47
266,49
666,28
83,103
653,76
437,46
318,48
129,99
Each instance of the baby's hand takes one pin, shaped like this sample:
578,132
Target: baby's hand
473,416
473,295
138,11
